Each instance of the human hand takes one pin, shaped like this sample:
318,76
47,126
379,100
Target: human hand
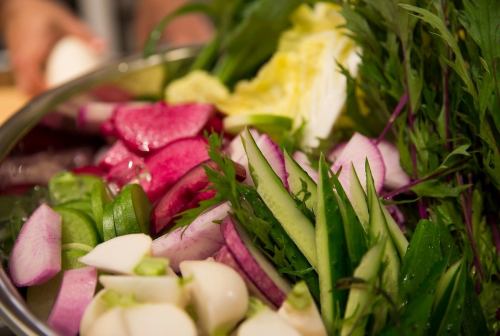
189,29
31,28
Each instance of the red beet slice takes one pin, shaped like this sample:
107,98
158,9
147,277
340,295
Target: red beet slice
173,161
185,194
153,127
114,155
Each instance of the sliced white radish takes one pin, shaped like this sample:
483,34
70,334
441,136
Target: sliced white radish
158,320
120,254
219,294
112,322
255,265
266,323
226,257
395,176
302,159
305,319
36,255
94,310
356,152
151,289
200,240
76,292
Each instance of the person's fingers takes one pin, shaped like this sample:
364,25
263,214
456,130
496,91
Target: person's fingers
70,25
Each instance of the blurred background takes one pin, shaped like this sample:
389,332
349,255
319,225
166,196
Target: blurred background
44,43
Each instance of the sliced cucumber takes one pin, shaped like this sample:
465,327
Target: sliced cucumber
65,187
278,200
108,223
131,210
360,299
299,182
69,259
99,196
397,236
77,227
80,205
358,199
333,259
268,123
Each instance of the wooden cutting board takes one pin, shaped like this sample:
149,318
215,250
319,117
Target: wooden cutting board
11,100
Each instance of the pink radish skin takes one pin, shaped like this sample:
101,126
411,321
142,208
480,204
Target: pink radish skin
186,193
274,156
36,256
169,164
200,240
275,293
356,152
128,170
395,176
302,159
146,129
225,257
76,293
336,151
117,153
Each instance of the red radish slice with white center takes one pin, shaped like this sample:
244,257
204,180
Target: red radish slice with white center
114,155
303,161
336,151
170,163
132,169
186,193
153,127
258,269
36,255
200,240
225,257
76,292
395,176
274,157
355,153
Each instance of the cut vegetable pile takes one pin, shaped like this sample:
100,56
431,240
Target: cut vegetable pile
265,196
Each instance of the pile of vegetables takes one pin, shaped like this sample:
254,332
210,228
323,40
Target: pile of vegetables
321,169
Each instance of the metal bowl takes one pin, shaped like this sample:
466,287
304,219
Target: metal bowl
136,75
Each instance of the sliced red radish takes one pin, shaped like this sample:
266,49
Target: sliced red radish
153,127
200,240
356,152
224,256
89,170
76,292
274,156
185,194
93,114
173,161
117,153
128,170
36,256
254,264
395,176
336,151
302,159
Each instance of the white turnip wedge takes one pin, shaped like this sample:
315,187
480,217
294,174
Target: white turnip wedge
76,292
219,295
119,255
200,240
36,255
355,153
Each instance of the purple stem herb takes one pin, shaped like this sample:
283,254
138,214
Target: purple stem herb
395,114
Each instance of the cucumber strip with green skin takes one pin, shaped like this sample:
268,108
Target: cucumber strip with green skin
99,196
359,301
77,227
333,263
358,199
297,179
80,205
354,232
397,236
65,187
108,223
279,201
131,210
